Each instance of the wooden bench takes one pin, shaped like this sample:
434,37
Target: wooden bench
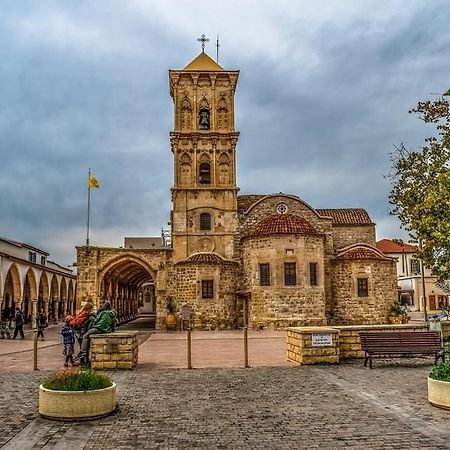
400,343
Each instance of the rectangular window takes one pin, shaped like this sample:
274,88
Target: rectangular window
207,289
42,260
313,274
32,257
415,267
363,287
205,221
264,274
290,275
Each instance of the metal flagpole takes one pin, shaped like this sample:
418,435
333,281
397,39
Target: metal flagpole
89,207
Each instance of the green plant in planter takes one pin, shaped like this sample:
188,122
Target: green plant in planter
84,380
170,304
441,371
397,309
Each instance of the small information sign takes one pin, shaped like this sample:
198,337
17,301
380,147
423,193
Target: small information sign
322,340
186,312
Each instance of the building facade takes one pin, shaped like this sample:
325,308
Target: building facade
30,281
411,283
266,260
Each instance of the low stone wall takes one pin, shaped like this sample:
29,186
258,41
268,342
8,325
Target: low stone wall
346,341
313,345
118,350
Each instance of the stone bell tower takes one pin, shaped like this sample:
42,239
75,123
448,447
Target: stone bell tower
203,142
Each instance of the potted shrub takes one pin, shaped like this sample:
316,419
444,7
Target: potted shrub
77,395
398,313
439,385
171,320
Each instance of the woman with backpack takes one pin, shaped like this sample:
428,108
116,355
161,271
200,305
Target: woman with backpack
82,321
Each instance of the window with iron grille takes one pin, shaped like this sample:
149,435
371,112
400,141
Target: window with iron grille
264,274
415,267
363,287
290,275
205,221
207,289
313,274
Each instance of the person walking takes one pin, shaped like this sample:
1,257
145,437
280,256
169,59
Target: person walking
105,322
19,324
41,323
68,342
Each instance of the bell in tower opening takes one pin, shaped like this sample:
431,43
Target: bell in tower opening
203,119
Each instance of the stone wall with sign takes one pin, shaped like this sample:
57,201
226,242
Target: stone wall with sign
313,345
118,350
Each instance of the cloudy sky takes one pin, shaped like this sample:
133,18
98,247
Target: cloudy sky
324,93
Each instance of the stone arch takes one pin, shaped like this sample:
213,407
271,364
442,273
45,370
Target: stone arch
222,114
62,304
71,297
185,170
53,299
30,295
224,169
43,293
120,281
186,114
12,291
204,113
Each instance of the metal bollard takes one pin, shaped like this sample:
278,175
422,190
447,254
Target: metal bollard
35,347
246,348
189,348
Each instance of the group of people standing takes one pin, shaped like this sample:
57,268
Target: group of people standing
80,327
13,326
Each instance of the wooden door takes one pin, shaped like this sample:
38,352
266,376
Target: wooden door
432,302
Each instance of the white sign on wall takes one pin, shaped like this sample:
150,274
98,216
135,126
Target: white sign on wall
322,340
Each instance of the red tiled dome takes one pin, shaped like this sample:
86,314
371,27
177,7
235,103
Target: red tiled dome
282,224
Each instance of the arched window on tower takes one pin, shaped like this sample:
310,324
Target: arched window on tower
205,221
203,119
204,173
186,114
185,170
222,115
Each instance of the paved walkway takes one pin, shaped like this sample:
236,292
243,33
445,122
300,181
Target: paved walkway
326,407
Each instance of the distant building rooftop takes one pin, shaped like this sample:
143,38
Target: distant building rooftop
393,246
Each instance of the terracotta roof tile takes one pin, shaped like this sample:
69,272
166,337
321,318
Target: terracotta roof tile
360,252
206,257
282,224
347,216
390,246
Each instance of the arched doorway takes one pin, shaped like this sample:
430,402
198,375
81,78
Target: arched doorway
122,282
43,294
29,296
11,291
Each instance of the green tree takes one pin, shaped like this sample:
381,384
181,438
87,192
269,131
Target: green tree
420,194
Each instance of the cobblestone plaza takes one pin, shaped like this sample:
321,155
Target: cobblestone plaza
163,405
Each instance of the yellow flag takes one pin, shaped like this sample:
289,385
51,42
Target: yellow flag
93,182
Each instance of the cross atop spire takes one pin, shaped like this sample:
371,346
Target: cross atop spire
203,39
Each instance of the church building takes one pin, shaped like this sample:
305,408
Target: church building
265,260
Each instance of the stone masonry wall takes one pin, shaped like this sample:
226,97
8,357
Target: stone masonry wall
118,350
348,308
278,305
348,235
296,206
216,313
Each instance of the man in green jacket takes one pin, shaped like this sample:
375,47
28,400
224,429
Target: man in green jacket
104,322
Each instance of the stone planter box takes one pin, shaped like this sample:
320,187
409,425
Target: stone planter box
76,405
439,393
